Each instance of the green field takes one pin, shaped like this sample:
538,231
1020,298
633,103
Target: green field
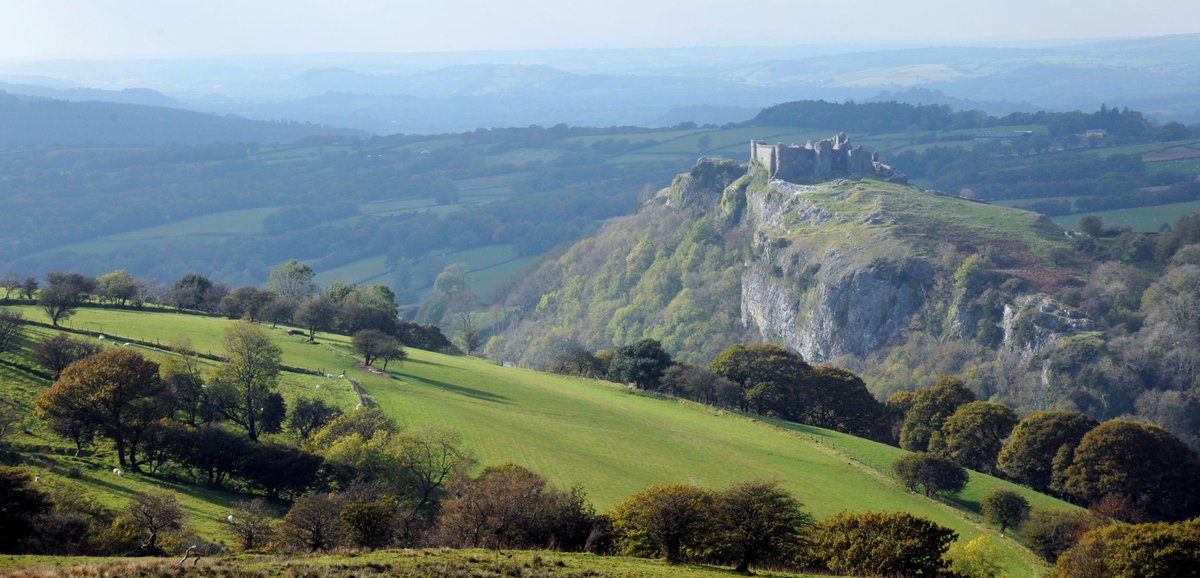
489,265
202,229
611,440
1145,219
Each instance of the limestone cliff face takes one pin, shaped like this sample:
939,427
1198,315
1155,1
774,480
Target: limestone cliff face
845,270
820,298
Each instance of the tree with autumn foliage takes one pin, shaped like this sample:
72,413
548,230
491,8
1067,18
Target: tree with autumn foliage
667,520
117,392
1154,468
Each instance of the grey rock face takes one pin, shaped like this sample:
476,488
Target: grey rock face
823,302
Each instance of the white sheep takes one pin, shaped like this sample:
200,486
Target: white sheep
119,472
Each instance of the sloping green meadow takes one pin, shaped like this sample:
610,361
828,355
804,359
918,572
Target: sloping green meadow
611,440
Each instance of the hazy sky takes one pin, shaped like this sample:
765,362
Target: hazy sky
36,29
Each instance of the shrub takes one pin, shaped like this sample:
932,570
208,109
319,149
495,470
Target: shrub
930,474
667,520
976,559
882,543
1050,532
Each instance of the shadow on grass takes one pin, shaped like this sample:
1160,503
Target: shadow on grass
962,503
459,389
411,361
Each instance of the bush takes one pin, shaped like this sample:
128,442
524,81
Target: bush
1050,532
511,507
755,522
976,559
667,520
930,474
882,543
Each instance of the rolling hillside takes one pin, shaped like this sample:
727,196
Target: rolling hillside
609,439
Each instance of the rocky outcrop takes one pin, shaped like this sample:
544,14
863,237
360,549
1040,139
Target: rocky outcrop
1034,323
823,299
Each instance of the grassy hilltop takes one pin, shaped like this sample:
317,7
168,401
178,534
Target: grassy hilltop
603,436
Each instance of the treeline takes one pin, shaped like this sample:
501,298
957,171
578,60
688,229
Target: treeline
764,379
290,298
990,172
895,117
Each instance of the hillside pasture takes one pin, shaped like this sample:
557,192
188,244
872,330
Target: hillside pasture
608,438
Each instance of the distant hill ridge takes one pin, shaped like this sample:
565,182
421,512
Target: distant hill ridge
38,122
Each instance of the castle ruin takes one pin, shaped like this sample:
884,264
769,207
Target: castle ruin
820,161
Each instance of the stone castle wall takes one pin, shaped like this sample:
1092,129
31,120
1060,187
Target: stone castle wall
819,161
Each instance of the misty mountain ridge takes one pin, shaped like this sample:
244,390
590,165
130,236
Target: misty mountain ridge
35,122
408,92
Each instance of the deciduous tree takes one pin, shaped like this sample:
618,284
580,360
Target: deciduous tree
1146,462
188,291
1156,550
59,302
251,523
667,520
251,369
930,474
973,435
10,330
117,391
768,374
883,544
317,313
756,522
1036,440
1004,508
292,281
641,363
313,523
309,415
61,350
373,344
116,287
155,513
930,407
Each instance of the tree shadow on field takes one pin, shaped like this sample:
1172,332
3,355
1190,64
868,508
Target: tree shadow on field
962,503
411,361
460,389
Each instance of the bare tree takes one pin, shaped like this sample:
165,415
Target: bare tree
10,330
10,282
155,513
251,523
313,523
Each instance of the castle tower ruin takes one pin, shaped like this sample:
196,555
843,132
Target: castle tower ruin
820,161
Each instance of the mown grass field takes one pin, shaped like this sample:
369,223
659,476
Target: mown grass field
610,440
1144,219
